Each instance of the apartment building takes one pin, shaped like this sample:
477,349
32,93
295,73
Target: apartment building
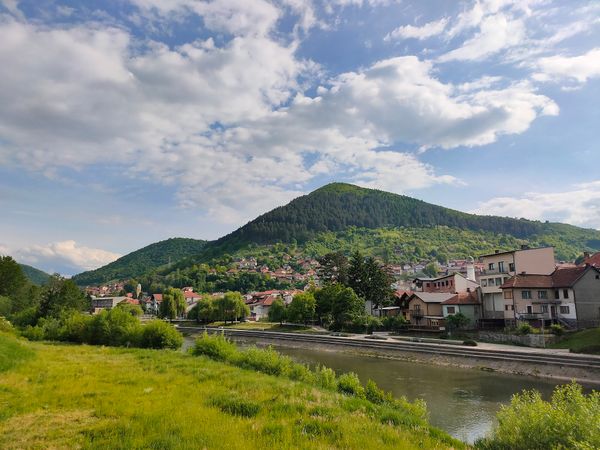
499,267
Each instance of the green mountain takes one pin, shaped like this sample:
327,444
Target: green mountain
142,261
344,217
36,276
338,207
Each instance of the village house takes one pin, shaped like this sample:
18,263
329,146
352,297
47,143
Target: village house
455,282
591,260
467,303
425,309
259,303
569,296
500,266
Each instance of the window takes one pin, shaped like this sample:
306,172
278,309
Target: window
556,294
501,266
491,266
526,295
483,283
565,293
508,307
564,310
511,267
491,282
529,309
543,295
451,309
508,294
544,308
498,281
426,284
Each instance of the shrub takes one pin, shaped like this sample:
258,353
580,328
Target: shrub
373,324
33,333
524,329
394,323
265,360
569,420
326,377
5,325
470,343
75,327
557,329
374,393
348,383
216,347
159,334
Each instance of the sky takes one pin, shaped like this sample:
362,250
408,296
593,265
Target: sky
125,122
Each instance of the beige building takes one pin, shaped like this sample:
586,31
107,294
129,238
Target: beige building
500,266
425,309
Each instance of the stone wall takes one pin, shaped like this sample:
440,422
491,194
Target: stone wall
529,340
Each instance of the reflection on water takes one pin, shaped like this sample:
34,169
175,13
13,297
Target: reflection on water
463,402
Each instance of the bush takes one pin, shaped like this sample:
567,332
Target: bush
33,333
216,347
326,377
373,324
75,327
470,343
348,383
374,393
159,334
265,360
394,323
5,325
569,420
524,329
557,329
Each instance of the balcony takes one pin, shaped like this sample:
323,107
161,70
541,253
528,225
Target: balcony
416,313
504,270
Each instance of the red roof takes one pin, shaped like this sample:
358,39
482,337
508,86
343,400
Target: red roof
190,294
131,301
593,260
269,300
560,278
157,297
463,298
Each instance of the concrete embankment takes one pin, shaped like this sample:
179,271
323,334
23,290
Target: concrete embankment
523,361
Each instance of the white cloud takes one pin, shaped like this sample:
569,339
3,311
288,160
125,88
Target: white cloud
423,32
230,124
64,256
578,68
497,32
578,206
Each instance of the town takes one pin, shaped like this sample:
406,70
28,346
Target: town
500,290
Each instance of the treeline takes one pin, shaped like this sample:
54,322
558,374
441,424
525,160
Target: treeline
59,311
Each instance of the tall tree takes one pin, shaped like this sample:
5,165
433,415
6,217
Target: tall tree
324,301
346,308
232,307
13,282
333,268
173,304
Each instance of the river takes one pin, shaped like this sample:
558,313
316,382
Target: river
463,402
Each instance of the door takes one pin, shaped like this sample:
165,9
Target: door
552,312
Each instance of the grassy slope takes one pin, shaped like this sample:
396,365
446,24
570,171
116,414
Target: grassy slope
69,396
587,340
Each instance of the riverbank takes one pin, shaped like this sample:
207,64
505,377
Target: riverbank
73,396
551,364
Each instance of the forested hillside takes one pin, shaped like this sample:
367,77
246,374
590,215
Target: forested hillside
36,276
143,261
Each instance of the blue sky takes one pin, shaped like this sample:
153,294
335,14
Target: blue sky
124,122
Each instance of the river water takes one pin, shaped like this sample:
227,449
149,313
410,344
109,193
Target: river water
463,402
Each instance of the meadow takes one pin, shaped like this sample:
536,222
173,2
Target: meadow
56,395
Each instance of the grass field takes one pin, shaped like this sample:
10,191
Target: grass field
268,326
586,341
78,396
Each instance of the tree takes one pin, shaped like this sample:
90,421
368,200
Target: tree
134,310
232,307
302,308
12,278
369,280
173,304
457,321
324,300
60,295
277,311
346,308
431,269
333,268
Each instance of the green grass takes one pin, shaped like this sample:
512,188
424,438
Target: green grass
586,341
262,326
79,396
